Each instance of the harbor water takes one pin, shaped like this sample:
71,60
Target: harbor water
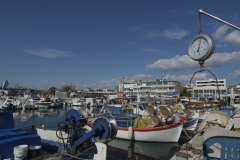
118,149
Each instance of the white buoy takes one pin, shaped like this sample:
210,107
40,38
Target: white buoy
130,132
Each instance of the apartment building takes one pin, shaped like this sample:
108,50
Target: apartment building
209,88
156,88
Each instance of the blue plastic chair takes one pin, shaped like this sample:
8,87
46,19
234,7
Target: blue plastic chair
229,147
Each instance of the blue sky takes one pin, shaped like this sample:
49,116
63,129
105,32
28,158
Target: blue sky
95,43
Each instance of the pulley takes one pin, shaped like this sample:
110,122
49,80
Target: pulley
79,117
108,125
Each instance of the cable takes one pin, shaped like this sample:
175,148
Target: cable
186,134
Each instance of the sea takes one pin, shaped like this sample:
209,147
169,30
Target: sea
117,149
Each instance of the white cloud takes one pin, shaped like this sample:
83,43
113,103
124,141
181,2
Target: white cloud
220,32
138,77
181,63
62,83
49,53
235,74
219,59
177,63
233,38
186,78
176,33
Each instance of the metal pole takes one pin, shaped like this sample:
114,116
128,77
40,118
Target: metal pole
201,11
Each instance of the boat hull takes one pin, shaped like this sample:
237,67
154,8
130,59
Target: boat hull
42,105
165,133
190,124
155,134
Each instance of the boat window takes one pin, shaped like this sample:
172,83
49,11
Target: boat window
127,111
114,110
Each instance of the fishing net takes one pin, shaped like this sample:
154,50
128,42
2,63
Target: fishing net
141,122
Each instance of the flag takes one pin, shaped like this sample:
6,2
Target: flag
5,83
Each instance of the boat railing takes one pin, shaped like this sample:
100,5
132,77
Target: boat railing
122,121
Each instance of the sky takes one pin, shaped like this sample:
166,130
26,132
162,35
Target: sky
95,43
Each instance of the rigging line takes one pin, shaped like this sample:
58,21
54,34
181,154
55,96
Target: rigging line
186,134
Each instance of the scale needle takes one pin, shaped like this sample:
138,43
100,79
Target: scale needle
198,46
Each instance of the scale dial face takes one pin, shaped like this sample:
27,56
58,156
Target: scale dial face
201,48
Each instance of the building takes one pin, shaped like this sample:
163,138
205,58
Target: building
238,87
209,88
157,88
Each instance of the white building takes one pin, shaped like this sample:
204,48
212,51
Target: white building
157,88
209,88
238,87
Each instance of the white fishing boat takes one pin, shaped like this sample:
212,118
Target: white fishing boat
231,98
57,103
144,128
165,133
28,99
190,123
191,118
42,103
10,104
165,111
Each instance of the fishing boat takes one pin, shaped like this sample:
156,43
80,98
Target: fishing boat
231,98
74,141
43,103
171,109
14,142
57,103
148,128
10,103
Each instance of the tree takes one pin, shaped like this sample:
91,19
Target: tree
178,87
52,90
90,89
38,92
68,89
184,92
181,90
